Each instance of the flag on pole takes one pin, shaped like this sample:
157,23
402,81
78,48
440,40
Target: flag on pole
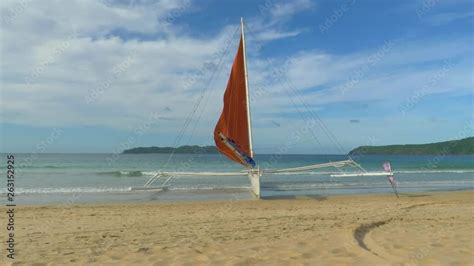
391,178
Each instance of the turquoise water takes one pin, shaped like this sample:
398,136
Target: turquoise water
74,178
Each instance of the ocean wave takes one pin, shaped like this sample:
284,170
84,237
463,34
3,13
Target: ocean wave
207,188
137,173
127,173
420,171
268,186
61,190
20,166
142,173
282,186
451,171
80,190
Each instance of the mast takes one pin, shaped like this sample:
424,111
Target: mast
246,87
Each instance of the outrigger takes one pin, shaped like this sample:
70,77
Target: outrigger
233,137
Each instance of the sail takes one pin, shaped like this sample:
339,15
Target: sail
232,132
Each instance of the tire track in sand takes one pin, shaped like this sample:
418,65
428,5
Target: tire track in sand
362,230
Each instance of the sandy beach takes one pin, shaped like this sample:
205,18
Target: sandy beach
416,229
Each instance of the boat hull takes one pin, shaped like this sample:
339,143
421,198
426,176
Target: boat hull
254,177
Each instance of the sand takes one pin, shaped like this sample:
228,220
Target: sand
417,229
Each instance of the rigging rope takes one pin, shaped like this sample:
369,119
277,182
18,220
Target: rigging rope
279,79
290,90
310,112
195,108
189,118
291,87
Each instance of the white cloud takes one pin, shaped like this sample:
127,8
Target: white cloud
448,17
66,51
271,23
269,35
287,9
404,67
56,56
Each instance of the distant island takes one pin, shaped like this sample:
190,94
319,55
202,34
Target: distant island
183,149
453,147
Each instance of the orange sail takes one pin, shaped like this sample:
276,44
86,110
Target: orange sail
232,132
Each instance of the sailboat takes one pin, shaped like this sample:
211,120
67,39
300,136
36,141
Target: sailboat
233,135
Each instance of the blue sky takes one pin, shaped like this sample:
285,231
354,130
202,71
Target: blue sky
325,76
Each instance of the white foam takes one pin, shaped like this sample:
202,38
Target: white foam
65,190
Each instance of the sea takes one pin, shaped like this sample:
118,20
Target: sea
66,179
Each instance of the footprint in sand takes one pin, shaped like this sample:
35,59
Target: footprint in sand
396,246
338,251
142,250
301,244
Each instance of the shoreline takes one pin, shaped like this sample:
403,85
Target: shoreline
418,228
199,195
250,199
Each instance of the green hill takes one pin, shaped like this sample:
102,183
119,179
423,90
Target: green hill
183,149
453,147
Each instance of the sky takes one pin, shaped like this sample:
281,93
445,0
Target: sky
325,76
